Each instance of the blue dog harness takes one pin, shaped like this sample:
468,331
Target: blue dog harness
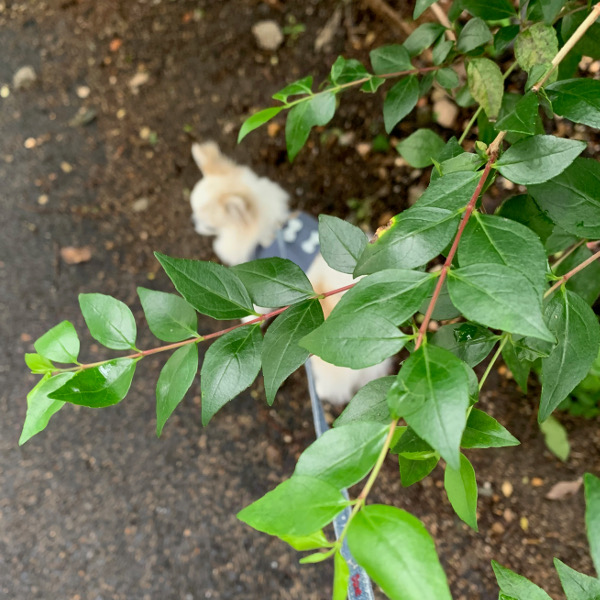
297,240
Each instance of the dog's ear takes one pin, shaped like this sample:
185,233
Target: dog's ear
209,159
238,208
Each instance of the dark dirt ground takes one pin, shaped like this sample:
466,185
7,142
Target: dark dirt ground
96,508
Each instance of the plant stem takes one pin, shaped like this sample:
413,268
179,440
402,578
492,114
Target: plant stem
360,501
494,359
577,35
338,88
200,338
492,154
568,253
567,276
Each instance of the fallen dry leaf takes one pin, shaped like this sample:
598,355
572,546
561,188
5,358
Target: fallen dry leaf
562,489
74,256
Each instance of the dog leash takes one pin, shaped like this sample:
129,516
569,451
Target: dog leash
359,586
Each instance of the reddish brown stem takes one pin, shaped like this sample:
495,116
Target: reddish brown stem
567,276
453,248
201,338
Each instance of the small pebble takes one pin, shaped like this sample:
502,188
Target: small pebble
4,91
25,77
507,489
268,35
83,91
524,523
30,143
140,205
43,200
537,481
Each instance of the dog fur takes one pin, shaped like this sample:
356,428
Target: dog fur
244,211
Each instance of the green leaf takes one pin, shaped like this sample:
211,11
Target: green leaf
369,403
577,100
60,343
341,243
555,438
317,557
516,586
40,407
537,45
174,381
586,283
588,44
492,239
347,70
109,320
518,367
355,342
274,281
421,6
319,110
571,199
483,431
504,37
100,386
344,455
38,364
170,318
441,51
489,10
415,237
461,487
372,85
211,289
447,78
395,294
451,192
230,365
467,161
423,37
302,86
341,577
410,445
523,209
486,84
399,101
420,148
299,506
539,158
390,59
411,569
523,118
281,354
314,541
546,10
591,485
413,471
432,394
257,119
474,34
577,586
498,297
469,341
576,328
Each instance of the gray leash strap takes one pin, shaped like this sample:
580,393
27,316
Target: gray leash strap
359,586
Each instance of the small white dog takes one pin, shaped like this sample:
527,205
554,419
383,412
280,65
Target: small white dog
245,212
